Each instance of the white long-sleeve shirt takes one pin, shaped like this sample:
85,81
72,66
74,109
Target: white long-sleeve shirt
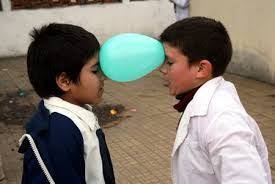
217,142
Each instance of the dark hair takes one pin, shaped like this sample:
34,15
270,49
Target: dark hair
201,38
58,48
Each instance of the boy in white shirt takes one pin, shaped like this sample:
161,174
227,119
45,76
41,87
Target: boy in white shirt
217,142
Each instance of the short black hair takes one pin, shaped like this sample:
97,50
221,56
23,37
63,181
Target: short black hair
201,38
58,48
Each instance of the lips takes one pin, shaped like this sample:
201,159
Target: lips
101,85
166,83
101,88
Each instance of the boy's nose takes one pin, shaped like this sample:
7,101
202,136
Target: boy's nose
164,69
103,77
101,74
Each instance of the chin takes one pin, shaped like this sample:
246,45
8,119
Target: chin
172,93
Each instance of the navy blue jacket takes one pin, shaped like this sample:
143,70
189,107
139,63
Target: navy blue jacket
60,145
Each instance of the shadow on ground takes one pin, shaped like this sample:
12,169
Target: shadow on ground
18,107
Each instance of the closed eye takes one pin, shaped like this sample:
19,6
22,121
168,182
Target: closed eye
168,61
95,69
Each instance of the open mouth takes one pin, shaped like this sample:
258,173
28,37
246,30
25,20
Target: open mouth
166,84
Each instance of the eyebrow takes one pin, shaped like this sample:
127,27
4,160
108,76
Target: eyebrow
95,65
167,57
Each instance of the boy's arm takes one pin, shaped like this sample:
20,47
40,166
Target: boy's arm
66,151
232,151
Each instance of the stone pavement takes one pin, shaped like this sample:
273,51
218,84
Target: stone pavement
140,142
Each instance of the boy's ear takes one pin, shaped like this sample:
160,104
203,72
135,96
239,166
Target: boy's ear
204,70
63,82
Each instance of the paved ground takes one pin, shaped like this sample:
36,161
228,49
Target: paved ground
141,141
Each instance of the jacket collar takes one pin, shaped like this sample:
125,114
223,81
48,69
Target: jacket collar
200,102
198,106
85,114
185,98
39,121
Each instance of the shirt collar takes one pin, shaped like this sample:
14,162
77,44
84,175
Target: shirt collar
185,98
85,113
200,102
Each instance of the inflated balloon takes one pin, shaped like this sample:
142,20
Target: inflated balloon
129,56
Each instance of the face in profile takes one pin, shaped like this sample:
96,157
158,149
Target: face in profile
89,88
179,74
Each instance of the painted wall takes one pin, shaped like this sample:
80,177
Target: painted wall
104,20
251,25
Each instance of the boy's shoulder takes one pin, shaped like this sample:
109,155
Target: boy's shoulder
52,131
82,116
214,96
226,96
43,121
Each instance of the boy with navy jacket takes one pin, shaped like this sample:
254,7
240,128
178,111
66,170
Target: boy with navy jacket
63,69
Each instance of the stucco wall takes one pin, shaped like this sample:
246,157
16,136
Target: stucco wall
251,25
104,20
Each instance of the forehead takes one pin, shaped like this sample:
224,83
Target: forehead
92,61
171,51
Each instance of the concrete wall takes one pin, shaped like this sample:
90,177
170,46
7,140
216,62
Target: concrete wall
251,25
104,20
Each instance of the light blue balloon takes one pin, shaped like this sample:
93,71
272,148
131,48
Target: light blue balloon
129,56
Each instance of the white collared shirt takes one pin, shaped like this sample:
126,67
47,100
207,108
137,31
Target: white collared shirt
217,142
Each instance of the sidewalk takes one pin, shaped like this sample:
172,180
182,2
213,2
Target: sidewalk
140,142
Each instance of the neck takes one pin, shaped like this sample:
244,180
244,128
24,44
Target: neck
185,98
